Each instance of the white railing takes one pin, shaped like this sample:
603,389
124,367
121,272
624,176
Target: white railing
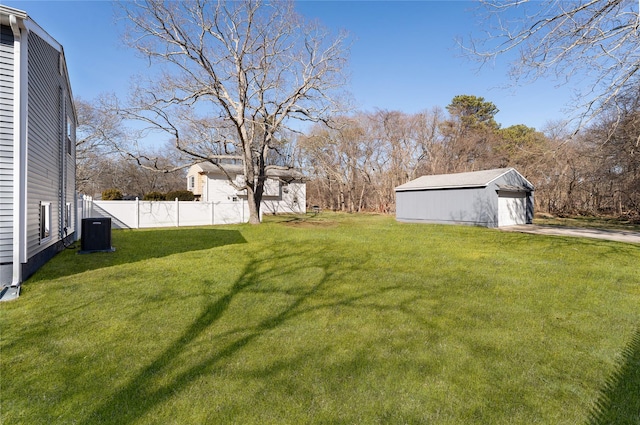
145,214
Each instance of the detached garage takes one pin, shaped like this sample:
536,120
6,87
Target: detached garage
490,198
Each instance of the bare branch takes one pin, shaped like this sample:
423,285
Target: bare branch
596,40
234,76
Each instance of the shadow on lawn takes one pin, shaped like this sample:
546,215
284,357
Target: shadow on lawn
138,245
142,394
619,400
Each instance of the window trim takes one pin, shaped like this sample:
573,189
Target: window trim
69,130
44,231
67,216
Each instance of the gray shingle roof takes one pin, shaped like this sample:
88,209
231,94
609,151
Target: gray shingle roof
458,180
208,167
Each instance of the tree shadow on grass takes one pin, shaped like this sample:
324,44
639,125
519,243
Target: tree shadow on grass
142,394
619,400
138,245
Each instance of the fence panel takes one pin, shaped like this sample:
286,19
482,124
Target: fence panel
146,214
157,214
230,212
195,213
123,213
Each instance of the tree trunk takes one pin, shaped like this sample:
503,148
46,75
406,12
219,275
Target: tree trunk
254,206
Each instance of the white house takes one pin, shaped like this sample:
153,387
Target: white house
284,190
37,150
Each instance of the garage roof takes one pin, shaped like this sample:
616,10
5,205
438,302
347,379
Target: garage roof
207,167
458,180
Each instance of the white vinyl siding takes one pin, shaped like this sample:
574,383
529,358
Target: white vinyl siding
271,187
50,172
6,144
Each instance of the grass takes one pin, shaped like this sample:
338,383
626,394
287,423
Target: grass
328,319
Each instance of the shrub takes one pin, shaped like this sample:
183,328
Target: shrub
154,196
111,195
182,195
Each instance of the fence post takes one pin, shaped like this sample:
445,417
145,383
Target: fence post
87,210
177,212
212,213
137,213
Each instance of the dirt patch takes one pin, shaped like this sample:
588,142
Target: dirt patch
310,223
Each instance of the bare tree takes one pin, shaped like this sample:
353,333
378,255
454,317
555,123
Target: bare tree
242,72
339,160
98,135
597,40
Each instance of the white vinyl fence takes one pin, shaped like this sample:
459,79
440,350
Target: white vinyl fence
144,214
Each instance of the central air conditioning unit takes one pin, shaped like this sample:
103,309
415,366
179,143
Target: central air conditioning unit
96,235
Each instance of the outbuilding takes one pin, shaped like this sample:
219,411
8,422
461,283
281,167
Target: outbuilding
490,198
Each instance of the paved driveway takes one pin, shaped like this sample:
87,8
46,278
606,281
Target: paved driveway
612,235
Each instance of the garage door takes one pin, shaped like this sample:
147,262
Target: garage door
512,208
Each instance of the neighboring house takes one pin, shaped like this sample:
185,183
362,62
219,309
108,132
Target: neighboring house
37,150
490,198
284,190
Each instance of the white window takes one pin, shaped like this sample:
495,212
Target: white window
192,182
70,131
45,221
67,216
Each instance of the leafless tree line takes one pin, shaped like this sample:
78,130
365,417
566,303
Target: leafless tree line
104,160
232,78
356,165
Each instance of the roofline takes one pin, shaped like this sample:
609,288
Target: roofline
460,186
25,22
513,169
7,11
463,186
498,176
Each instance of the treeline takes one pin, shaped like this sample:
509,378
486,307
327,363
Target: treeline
355,163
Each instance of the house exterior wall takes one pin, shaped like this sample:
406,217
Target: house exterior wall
193,175
6,152
291,199
50,158
279,196
217,189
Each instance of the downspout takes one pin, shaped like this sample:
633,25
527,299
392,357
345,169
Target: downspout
62,196
18,154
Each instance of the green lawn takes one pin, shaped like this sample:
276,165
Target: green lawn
331,319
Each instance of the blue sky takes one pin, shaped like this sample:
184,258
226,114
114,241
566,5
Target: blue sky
403,57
